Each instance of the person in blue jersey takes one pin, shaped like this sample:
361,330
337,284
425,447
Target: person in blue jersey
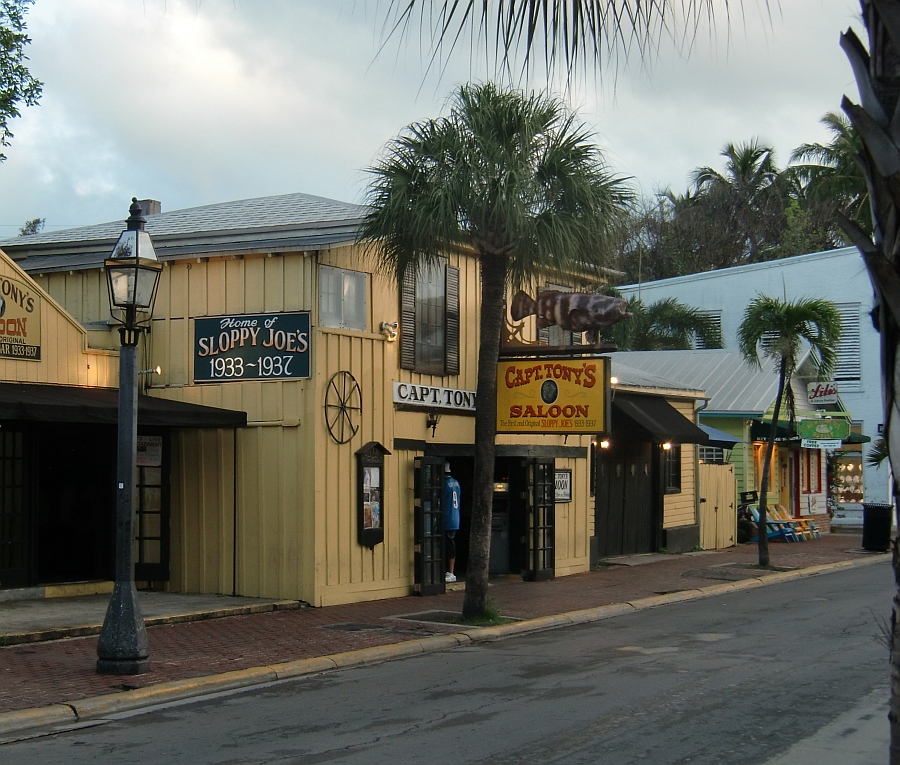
452,499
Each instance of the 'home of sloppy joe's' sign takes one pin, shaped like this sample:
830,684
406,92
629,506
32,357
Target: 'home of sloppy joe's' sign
552,396
268,346
20,320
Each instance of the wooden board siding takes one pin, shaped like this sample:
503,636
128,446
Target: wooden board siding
681,509
66,358
293,493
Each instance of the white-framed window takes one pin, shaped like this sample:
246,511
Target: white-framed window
342,298
712,455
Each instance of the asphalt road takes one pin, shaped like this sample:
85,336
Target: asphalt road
765,675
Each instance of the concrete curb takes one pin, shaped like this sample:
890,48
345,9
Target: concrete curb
58,633
66,714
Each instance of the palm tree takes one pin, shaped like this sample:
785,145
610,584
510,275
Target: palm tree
666,325
750,194
513,178
778,329
829,173
877,120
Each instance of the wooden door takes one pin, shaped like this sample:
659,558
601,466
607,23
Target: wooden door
718,511
627,500
429,525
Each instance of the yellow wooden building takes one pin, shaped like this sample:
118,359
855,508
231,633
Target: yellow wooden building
302,406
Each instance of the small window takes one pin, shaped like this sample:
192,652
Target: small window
342,298
672,457
716,317
712,455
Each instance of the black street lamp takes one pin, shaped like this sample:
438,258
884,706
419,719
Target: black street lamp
132,272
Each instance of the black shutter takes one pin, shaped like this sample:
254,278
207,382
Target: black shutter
451,321
408,320
576,338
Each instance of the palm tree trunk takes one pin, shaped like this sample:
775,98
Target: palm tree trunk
877,120
762,536
493,284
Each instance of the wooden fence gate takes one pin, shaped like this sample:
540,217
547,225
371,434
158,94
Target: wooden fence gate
718,508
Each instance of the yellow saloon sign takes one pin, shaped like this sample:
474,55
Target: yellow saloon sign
20,321
552,396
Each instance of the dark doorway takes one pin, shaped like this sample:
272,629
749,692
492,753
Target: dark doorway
628,500
75,472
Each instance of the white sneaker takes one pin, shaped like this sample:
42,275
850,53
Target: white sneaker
448,577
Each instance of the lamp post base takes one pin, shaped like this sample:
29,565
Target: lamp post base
123,667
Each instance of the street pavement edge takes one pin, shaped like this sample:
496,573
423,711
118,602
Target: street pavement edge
63,715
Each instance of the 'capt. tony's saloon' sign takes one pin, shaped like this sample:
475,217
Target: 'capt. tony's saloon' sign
268,346
552,396
20,321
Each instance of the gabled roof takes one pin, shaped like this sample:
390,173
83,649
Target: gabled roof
264,224
732,386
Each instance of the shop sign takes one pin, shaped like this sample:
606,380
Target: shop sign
20,320
252,347
822,393
823,430
563,486
432,397
558,396
820,443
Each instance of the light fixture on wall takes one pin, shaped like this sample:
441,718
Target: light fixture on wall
431,421
604,444
389,328
666,446
157,370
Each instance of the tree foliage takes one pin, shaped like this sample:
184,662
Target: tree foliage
17,85
33,226
516,180
777,329
666,325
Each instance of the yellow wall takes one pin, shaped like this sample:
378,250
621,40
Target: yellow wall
284,523
681,509
66,358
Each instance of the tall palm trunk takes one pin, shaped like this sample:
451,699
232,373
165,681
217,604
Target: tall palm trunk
877,120
493,284
762,535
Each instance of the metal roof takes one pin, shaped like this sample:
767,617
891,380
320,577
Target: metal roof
732,386
264,224
633,377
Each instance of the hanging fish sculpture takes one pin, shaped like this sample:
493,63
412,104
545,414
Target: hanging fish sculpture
572,311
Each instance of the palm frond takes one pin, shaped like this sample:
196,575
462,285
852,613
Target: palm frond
565,35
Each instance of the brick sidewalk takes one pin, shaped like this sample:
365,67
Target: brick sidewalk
35,675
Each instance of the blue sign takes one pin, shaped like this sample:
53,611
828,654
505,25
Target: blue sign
267,346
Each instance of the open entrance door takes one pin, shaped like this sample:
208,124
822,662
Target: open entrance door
540,498
429,525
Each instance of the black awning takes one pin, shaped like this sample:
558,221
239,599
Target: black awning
65,403
759,431
640,417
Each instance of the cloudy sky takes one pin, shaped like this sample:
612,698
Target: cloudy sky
193,102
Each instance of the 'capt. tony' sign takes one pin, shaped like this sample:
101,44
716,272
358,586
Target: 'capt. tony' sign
268,346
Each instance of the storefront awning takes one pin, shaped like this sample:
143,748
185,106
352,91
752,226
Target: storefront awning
63,403
719,438
759,431
639,417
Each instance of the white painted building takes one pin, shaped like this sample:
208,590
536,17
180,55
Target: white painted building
836,275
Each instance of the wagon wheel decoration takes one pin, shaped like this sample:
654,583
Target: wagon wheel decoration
343,406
